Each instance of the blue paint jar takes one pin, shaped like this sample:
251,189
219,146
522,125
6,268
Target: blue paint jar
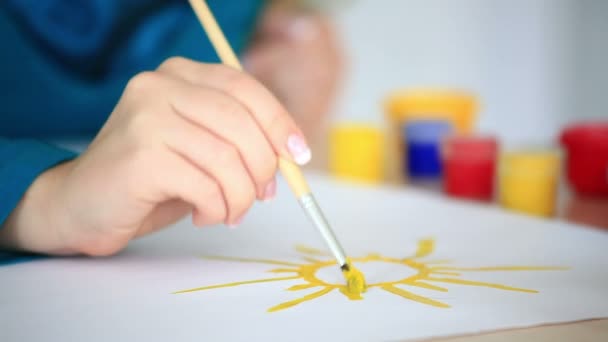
422,144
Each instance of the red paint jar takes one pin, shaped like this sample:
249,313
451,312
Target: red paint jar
587,157
470,167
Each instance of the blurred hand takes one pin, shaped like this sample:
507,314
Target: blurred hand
188,137
296,55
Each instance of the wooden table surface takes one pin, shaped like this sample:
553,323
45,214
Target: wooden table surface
584,331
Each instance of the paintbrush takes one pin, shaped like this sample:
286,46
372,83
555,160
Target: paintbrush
291,172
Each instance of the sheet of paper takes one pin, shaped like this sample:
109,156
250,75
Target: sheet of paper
435,267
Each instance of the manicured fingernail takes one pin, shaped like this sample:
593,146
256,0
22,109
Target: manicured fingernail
303,28
299,150
236,223
271,190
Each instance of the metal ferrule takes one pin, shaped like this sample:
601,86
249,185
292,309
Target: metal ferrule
310,206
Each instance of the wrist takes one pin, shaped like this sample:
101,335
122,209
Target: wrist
35,224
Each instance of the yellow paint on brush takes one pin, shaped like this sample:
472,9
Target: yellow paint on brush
425,273
355,282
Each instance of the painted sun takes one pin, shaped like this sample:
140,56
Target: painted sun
425,273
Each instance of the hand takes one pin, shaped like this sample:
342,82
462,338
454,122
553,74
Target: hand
188,137
296,55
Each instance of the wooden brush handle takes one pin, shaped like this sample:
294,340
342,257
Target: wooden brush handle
291,171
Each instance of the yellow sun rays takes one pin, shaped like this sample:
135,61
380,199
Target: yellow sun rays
427,273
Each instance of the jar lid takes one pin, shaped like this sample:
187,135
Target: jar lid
457,106
470,146
430,131
595,133
531,162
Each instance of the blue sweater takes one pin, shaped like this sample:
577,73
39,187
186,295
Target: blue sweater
65,63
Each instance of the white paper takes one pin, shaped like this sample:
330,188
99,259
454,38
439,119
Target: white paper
130,296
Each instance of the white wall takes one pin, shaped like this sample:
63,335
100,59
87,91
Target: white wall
520,56
591,79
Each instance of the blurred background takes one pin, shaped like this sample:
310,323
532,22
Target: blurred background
534,65
530,77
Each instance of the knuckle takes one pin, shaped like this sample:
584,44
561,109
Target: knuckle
267,169
244,201
230,108
227,155
173,63
278,122
142,81
238,82
213,192
214,204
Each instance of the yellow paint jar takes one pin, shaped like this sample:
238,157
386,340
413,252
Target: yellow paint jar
528,182
459,108
356,152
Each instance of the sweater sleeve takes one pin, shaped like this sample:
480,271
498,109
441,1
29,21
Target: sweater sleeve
21,161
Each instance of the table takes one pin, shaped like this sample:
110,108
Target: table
587,211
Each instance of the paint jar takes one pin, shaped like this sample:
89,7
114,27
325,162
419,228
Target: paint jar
457,107
528,182
587,158
469,164
588,210
422,141
356,152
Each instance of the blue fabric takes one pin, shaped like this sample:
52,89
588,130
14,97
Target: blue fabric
7,258
47,89
22,160
64,64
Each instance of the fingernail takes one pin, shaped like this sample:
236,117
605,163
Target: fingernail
303,28
236,223
299,150
271,190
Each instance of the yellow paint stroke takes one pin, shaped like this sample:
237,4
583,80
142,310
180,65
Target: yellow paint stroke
480,283
300,300
408,295
283,270
425,247
301,287
426,274
238,283
446,273
428,286
309,250
311,259
437,262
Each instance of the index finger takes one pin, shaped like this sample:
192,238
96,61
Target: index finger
273,119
